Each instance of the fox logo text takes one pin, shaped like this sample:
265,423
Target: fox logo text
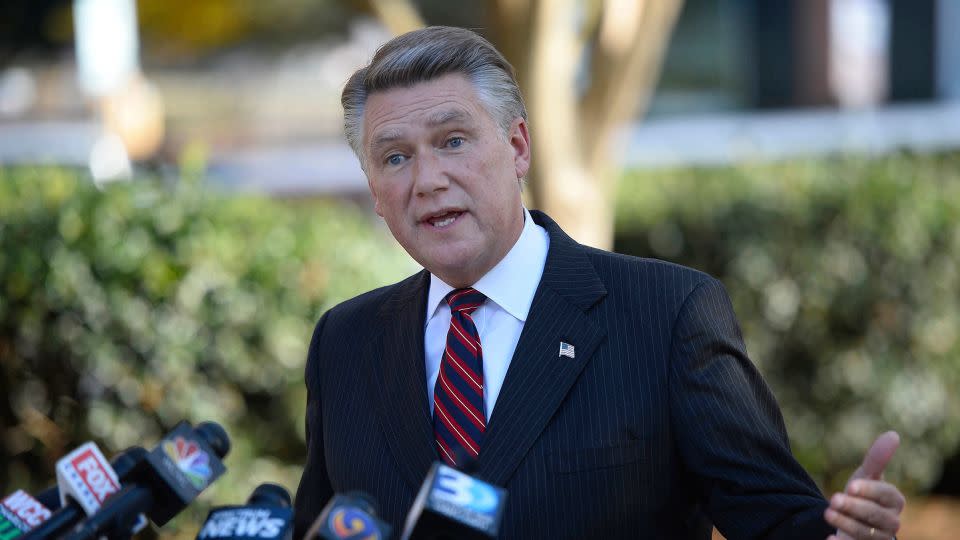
94,475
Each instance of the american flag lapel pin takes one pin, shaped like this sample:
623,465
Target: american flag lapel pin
566,349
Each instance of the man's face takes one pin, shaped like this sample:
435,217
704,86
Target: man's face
443,176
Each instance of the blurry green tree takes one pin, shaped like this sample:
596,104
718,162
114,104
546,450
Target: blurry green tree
845,275
125,310
181,29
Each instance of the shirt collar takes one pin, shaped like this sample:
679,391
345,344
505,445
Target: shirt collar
513,281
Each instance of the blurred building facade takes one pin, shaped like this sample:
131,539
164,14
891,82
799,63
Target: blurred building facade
773,79
779,54
743,79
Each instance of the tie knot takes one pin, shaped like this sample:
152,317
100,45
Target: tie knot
465,300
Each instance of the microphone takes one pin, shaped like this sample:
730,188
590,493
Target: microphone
20,512
454,505
82,474
170,477
267,515
50,497
349,516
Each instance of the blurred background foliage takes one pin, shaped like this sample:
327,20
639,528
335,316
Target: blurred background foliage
222,23
844,274
125,310
128,308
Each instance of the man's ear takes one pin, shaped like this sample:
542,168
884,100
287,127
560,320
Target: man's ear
519,139
376,199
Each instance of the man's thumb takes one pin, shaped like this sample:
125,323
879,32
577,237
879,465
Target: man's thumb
879,455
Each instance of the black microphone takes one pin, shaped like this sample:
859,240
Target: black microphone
50,497
72,512
170,477
83,477
267,515
454,505
349,516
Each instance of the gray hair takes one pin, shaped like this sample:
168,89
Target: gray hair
427,54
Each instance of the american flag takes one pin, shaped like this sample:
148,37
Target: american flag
566,349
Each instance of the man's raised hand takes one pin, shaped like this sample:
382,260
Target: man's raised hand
868,508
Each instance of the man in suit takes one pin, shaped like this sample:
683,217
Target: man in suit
611,396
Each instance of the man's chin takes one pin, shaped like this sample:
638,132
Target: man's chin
455,271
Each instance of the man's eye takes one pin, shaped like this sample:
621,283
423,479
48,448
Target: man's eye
455,142
395,159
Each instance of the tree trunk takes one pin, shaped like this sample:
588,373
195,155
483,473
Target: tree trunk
574,173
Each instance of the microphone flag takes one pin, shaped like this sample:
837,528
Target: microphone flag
86,476
19,512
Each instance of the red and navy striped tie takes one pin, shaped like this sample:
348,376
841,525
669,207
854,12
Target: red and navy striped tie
459,420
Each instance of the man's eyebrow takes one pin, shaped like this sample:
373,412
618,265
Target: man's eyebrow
385,138
445,117
435,120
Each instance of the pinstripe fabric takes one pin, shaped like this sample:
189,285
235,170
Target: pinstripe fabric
659,426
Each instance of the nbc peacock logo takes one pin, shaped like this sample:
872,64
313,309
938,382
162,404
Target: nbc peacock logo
190,459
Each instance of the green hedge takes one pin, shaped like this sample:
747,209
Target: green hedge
845,274
125,310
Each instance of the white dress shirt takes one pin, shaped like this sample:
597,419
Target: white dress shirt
509,287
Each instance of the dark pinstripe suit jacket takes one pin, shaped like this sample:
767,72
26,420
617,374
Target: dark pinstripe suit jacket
660,424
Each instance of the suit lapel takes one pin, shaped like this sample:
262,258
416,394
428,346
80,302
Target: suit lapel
539,378
398,376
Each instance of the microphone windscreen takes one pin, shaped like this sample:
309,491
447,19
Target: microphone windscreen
270,495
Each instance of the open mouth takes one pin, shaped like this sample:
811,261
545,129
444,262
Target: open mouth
444,220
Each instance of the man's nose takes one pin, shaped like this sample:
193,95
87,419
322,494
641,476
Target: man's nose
429,174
